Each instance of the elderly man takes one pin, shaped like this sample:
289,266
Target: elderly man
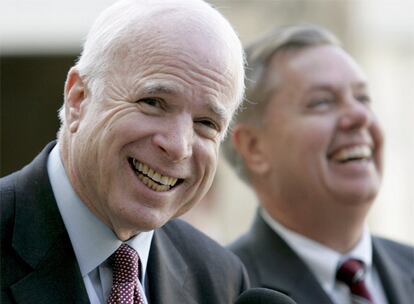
310,146
145,109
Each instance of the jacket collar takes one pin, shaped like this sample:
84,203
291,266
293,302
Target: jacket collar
398,281
275,256
167,272
40,239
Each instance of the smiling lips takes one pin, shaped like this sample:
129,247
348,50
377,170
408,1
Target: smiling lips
151,178
358,152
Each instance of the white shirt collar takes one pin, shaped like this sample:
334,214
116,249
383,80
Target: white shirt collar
92,241
322,260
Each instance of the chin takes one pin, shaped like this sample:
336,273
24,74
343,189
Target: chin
138,223
358,198
149,224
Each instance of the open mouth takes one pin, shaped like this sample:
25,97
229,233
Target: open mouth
151,178
355,153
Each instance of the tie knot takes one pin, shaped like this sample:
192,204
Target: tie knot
125,267
351,272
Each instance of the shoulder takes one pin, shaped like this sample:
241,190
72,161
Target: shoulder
250,253
210,265
196,244
246,248
7,187
257,241
242,243
401,254
7,202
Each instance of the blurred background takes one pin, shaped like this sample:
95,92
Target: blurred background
40,40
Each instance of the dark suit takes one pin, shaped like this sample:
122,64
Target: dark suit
38,264
271,263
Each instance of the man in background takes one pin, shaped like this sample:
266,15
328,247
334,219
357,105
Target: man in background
145,109
310,146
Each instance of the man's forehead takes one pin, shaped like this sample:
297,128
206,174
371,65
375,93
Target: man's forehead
336,87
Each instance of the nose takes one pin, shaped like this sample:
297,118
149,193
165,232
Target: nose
175,140
356,115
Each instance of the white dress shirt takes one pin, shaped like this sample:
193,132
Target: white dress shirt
324,262
93,242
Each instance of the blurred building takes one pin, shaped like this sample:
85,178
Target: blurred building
41,39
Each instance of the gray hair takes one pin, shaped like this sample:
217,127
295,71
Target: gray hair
285,40
117,27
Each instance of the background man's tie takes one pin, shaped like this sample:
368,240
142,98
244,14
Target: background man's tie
352,273
125,275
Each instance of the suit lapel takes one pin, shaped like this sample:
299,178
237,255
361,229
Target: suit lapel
274,256
55,280
42,242
167,272
397,282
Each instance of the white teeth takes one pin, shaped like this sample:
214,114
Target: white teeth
151,176
150,173
144,169
356,152
165,180
157,177
173,180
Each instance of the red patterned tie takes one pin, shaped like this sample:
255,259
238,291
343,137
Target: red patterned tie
125,275
352,273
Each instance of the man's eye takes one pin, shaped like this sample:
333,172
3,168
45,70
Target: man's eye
207,128
209,124
363,99
151,106
153,102
319,102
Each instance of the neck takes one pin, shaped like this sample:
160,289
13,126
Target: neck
339,230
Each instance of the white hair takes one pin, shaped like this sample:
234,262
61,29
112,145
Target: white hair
122,24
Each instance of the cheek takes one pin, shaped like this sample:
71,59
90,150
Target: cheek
302,147
211,160
378,138
301,138
316,134
377,134
206,158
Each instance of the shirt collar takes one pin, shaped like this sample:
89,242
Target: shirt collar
323,261
92,241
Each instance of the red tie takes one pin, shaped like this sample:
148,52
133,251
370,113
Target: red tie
352,273
125,275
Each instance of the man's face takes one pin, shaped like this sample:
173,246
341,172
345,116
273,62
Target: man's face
323,143
147,150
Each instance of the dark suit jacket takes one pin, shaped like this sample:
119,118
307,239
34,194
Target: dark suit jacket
38,264
271,263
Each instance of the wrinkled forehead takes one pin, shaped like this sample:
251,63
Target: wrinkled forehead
178,32
195,42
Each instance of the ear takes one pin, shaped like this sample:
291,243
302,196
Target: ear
248,141
75,95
